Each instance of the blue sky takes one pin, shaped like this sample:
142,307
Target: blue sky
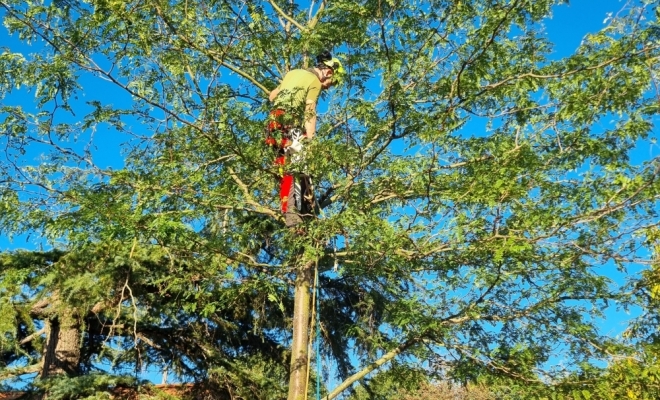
570,22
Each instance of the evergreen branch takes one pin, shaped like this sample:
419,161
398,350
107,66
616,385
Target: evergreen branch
12,372
29,338
140,336
121,298
40,308
252,260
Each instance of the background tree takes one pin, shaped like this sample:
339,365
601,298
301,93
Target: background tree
478,193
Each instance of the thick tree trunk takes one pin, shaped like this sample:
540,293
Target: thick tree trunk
299,347
62,353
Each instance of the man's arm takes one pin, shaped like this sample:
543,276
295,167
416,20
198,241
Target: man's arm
274,94
310,118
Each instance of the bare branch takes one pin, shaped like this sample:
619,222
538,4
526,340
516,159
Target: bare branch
376,364
312,23
28,339
286,16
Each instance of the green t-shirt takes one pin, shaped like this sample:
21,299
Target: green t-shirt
298,87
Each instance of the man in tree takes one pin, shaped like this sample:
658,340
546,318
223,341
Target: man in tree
293,119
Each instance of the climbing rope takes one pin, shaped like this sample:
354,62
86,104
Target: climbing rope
318,335
316,321
316,308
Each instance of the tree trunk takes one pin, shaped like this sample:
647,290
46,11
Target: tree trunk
62,353
299,347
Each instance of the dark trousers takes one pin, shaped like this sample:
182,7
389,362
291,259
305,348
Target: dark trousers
297,198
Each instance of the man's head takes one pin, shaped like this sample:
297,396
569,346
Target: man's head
331,70
337,72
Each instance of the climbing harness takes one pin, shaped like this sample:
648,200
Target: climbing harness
296,190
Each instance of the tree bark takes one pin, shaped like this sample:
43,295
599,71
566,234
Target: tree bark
62,352
299,347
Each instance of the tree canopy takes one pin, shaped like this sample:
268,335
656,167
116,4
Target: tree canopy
482,201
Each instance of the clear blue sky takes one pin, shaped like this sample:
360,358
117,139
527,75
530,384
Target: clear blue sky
570,22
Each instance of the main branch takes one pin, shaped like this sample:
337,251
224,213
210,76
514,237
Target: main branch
299,346
371,367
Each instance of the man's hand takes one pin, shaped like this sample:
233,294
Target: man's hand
273,94
296,146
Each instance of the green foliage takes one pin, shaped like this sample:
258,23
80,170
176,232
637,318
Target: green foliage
634,376
251,378
476,191
397,379
94,386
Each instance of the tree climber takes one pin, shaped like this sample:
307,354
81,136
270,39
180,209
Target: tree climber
292,122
